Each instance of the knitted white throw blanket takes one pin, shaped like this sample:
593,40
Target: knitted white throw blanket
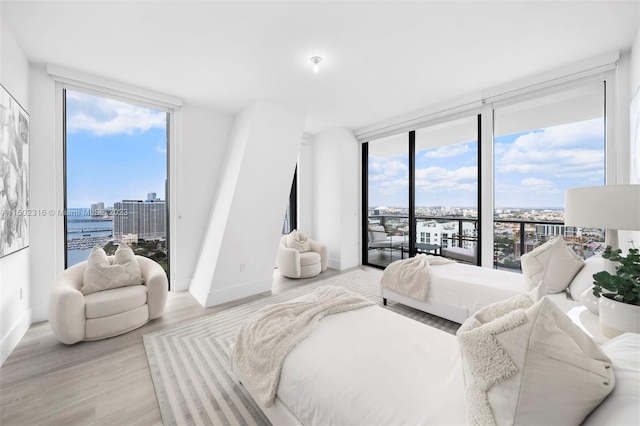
411,277
266,337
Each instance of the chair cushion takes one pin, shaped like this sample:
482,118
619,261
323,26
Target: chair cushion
102,328
378,233
309,258
100,275
110,302
299,241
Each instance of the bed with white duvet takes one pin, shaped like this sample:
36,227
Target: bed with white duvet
398,371
370,366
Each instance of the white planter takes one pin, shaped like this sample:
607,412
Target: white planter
617,317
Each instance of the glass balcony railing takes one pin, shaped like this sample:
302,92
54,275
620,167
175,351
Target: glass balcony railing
512,238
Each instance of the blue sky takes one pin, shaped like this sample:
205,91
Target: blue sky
532,170
115,151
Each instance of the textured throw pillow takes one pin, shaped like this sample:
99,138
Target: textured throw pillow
584,279
527,363
100,275
554,262
297,240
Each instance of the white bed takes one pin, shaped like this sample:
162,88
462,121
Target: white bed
399,371
458,290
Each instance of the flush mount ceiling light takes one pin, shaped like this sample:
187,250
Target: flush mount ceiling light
315,60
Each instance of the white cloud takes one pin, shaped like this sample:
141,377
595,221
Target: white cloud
538,185
102,116
447,151
438,179
574,150
385,169
161,149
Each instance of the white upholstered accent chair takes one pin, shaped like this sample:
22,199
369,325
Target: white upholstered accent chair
74,316
295,264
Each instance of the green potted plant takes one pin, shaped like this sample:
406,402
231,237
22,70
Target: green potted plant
619,294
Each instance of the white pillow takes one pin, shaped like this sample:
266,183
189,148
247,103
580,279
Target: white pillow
584,278
297,240
530,365
125,256
622,406
99,275
554,262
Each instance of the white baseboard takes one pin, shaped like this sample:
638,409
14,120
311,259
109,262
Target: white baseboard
11,340
350,263
181,284
334,264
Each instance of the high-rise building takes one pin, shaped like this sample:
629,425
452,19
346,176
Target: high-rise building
97,209
151,196
146,219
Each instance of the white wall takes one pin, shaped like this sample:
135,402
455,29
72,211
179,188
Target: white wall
199,156
635,65
15,293
336,202
634,89
47,249
241,241
305,187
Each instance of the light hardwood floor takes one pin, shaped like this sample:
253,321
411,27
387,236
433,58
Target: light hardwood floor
107,382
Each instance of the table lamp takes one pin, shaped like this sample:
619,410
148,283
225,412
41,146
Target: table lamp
609,207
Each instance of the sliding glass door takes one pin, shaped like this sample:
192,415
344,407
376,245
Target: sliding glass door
421,193
115,177
387,229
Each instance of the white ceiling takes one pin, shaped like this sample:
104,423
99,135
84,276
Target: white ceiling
380,59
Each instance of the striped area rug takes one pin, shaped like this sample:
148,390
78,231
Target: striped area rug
190,363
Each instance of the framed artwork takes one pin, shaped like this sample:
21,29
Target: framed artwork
14,175
634,119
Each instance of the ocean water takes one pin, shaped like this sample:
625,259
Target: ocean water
83,232
77,256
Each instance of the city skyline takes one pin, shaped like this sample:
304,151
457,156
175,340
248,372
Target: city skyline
115,151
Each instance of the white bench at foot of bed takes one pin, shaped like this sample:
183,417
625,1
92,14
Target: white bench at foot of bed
443,310
458,290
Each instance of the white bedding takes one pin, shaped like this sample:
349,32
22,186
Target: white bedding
367,372
458,290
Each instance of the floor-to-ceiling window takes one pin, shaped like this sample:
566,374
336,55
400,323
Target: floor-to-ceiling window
446,186
115,177
421,191
543,143
387,199
542,146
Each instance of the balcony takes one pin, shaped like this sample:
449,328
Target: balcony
512,237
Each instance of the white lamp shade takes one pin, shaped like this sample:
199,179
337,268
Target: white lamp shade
608,207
